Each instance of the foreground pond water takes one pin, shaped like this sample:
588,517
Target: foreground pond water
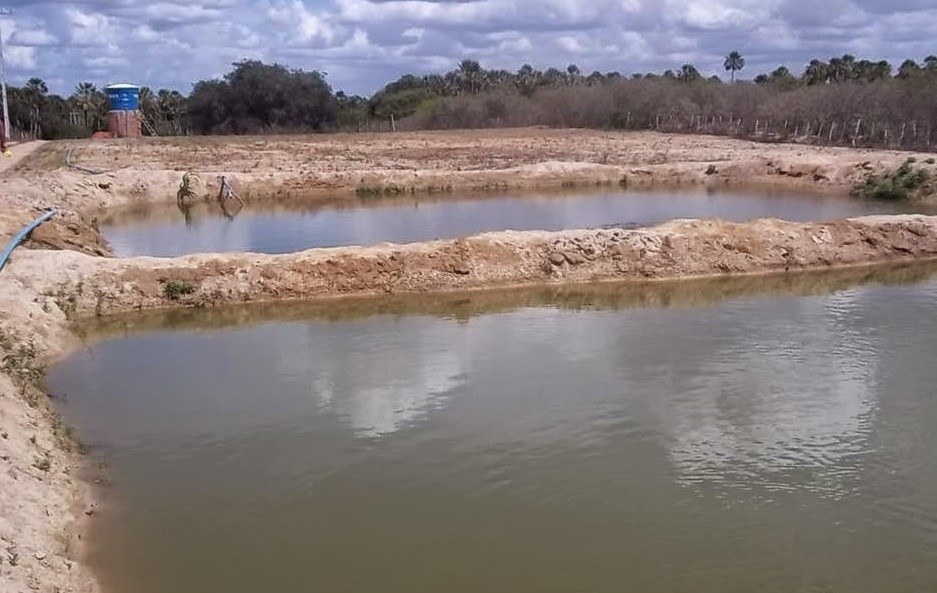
271,227
756,435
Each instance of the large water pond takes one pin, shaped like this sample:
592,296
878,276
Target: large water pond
769,435
283,227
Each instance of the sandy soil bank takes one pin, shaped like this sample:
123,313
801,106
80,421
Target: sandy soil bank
80,285
61,277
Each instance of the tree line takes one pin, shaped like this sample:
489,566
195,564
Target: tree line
35,113
843,100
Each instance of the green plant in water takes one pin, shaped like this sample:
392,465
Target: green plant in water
903,183
174,289
931,161
369,191
186,192
377,190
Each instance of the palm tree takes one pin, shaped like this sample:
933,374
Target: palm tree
497,78
37,85
470,75
35,92
526,80
148,106
782,78
842,69
436,84
817,72
881,70
849,66
734,62
171,105
85,88
689,73
552,76
84,100
908,69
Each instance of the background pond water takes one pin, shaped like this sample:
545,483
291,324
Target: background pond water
281,228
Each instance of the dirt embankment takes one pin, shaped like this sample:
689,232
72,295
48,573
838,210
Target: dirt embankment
82,285
44,504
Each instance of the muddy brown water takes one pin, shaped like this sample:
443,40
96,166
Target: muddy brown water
768,435
282,228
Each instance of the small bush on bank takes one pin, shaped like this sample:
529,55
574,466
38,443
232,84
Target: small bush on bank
174,289
904,183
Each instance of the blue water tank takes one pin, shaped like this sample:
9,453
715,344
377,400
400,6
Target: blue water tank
123,97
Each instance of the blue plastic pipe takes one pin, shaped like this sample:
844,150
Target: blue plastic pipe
21,236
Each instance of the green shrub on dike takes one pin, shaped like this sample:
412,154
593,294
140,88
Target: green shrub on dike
174,289
904,183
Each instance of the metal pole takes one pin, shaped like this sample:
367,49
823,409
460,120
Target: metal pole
3,80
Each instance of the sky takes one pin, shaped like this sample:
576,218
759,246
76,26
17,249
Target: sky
363,44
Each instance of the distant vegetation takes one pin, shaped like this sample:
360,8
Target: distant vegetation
844,100
256,97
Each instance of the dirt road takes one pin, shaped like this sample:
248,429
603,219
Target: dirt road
20,152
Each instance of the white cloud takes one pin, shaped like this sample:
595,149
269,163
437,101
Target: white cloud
303,26
722,14
32,38
23,58
570,44
89,28
365,43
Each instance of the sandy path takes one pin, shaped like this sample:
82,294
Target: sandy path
20,152
41,498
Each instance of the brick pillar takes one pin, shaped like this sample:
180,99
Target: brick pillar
124,124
